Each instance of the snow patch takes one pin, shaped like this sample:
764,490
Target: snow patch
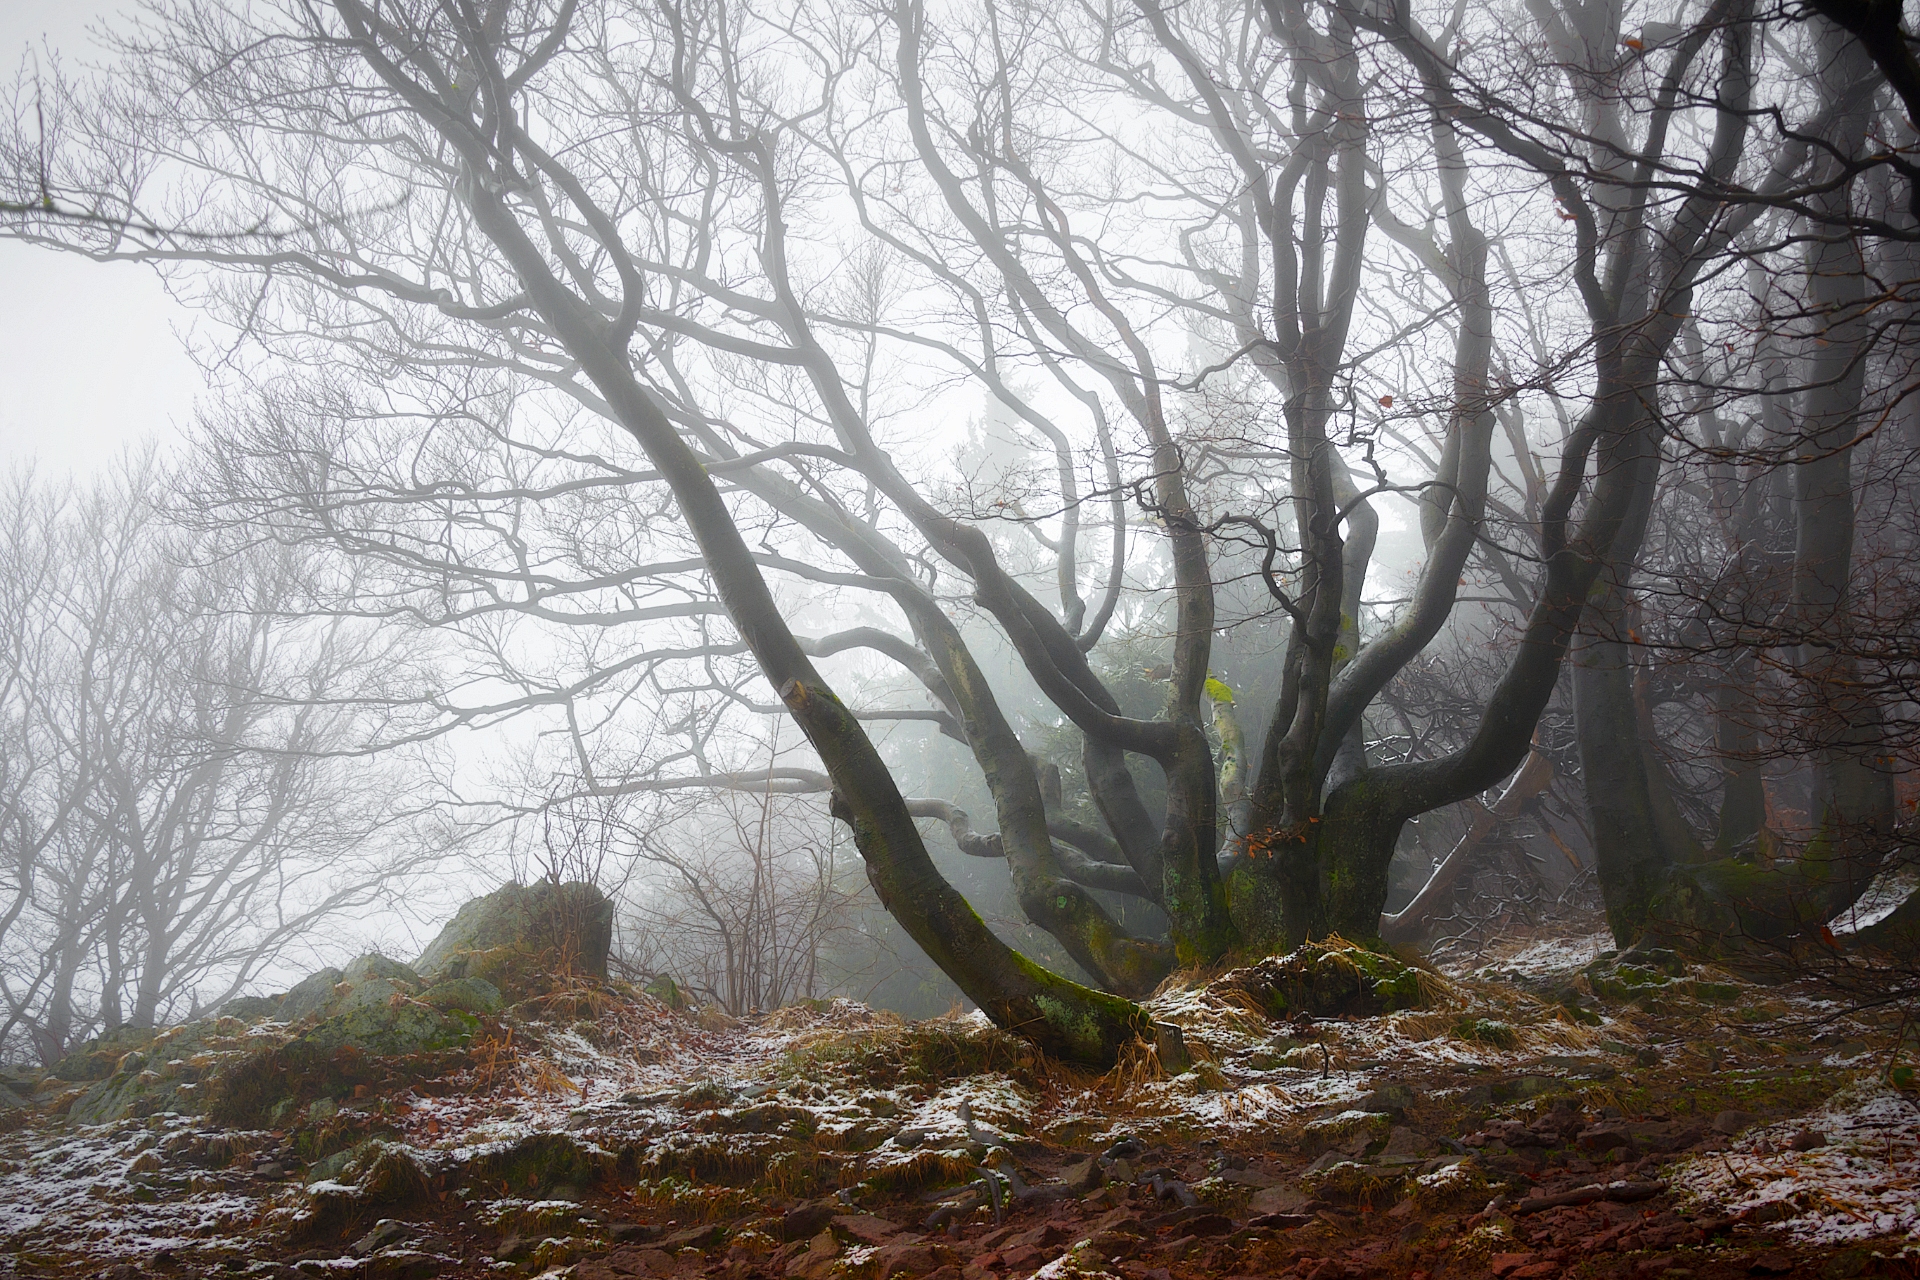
1883,897
1863,1185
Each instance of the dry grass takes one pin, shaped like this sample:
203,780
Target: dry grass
1139,1065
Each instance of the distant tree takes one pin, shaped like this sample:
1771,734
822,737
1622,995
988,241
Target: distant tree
182,800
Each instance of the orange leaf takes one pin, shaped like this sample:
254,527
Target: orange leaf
1386,402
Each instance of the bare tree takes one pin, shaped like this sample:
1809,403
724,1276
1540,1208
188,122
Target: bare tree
183,801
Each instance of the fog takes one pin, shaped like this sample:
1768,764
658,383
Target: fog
678,637
951,505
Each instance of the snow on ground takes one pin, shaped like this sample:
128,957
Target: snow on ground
1267,1077
1883,897
1864,1183
1544,956
87,1185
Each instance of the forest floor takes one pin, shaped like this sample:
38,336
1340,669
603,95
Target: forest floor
1539,1116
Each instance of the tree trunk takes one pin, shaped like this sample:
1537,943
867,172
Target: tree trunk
1853,802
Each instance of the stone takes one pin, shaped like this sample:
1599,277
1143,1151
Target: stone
627,1232
1808,1140
1388,1099
476,996
390,1027
817,1260
1326,980
909,1259
312,994
1732,1122
407,1264
251,1009
1083,1176
1277,1200
807,1221
667,992
864,1228
520,937
1348,1132
376,967
329,1168
385,1232
1406,1143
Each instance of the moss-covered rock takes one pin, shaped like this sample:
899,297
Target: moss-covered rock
252,1009
521,938
99,1057
1350,1132
539,1164
1329,979
374,967
668,993
168,1073
310,996
375,1178
1352,1182
476,996
395,1027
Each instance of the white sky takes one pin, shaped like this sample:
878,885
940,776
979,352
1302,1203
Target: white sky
90,355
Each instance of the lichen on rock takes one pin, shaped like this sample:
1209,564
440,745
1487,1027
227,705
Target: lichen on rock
521,938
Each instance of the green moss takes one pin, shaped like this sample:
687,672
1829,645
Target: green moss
1329,980
768,1117
1486,1031
1350,1183
667,992
1341,1131
919,1053
539,1163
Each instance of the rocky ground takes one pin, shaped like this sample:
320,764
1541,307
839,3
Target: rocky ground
1561,1112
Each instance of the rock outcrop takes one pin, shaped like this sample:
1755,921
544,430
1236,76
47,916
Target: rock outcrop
260,1058
521,938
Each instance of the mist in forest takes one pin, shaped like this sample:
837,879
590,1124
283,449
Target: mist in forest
987,504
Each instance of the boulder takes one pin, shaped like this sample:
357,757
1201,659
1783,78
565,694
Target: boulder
464,995
391,1029
251,1009
520,937
311,995
1328,979
374,967
371,982
99,1057
667,992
